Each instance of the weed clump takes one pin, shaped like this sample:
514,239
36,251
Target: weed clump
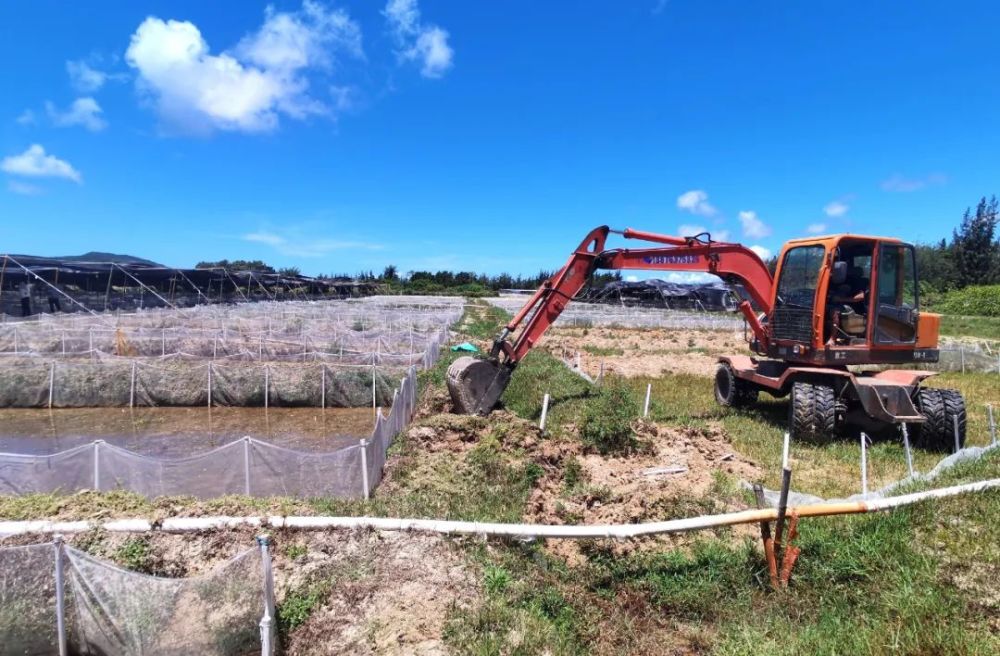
606,424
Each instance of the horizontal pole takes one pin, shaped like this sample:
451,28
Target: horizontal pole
448,527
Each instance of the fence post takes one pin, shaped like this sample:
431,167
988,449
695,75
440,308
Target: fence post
864,464
993,426
906,445
209,384
364,466
131,388
954,429
545,412
15,339
267,621
373,388
645,406
57,543
267,385
52,378
963,357
246,465
97,465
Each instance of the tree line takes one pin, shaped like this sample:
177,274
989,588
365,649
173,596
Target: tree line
971,257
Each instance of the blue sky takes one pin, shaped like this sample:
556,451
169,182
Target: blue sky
486,136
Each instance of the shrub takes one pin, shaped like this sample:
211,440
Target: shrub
606,424
982,301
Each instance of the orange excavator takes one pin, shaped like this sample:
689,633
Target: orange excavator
835,304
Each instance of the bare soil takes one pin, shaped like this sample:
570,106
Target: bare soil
643,352
667,478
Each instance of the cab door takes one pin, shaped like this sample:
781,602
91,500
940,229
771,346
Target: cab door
895,297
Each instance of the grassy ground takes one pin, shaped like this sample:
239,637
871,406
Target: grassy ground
980,327
920,580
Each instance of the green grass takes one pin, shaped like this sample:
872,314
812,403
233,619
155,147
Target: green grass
969,326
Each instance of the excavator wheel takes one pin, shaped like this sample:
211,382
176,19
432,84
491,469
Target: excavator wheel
813,413
733,392
940,408
476,385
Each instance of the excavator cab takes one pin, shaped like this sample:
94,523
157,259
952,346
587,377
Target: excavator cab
849,299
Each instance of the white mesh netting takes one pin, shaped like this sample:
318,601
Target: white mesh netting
245,355
108,610
246,466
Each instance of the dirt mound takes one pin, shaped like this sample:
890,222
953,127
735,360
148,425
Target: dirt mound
458,433
676,473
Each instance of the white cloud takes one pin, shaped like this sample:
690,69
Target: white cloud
688,277
84,78
631,278
696,202
762,253
246,89
816,228
27,117
23,188
836,208
690,229
417,41
35,163
84,112
899,183
753,227
303,242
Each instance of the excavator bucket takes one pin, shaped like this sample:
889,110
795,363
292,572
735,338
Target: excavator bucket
476,385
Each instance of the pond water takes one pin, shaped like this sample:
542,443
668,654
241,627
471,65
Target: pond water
176,432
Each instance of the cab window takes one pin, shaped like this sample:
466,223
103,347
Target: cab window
800,276
897,295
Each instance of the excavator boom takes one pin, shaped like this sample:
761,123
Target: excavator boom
476,385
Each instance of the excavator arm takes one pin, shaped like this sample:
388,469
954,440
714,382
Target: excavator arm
476,385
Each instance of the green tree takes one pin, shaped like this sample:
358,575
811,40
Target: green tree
390,273
974,245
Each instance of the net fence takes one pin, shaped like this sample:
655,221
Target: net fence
585,315
320,354
35,384
52,593
246,466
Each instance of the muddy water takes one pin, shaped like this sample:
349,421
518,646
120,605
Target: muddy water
176,432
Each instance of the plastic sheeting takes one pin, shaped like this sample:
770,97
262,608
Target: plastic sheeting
247,466
108,610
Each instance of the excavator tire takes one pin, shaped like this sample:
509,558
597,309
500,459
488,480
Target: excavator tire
812,413
476,385
733,392
940,408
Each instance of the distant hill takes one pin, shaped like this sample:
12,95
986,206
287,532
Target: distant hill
97,256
